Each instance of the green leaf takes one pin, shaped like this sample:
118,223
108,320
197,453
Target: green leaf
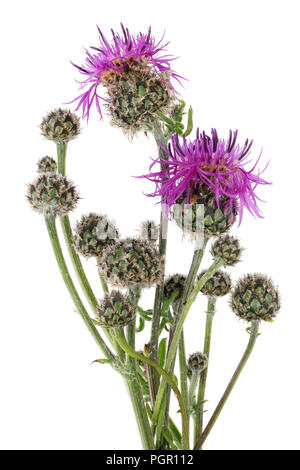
165,118
146,314
190,124
141,325
102,361
162,348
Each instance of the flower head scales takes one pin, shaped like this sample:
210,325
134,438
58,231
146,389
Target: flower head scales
112,57
215,163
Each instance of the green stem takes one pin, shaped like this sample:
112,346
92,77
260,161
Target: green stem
61,148
102,280
172,351
154,338
135,391
253,336
198,415
134,354
67,231
188,287
68,235
193,385
183,370
51,227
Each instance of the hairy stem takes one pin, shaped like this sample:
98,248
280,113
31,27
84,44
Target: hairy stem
188,287
154,338
134,389
67,231
172,351
253,336
52,231
183,369
198,415
134,354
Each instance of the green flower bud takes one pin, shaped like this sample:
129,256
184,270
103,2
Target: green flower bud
52,194
228,249
255,298
60,125
93,233
115,310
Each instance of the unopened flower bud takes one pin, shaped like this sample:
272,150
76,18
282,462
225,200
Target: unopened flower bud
52,194
115,310
228,249
93,233
60,125
47,165
255,298
218,285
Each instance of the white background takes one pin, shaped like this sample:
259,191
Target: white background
242,62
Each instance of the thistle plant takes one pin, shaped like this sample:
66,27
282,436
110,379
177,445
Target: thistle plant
204,184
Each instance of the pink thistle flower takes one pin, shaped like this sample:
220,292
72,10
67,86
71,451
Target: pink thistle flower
218,164
113,57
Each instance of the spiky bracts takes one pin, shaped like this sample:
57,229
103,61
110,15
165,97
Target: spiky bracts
60,125
136,94
174,283
132,263
203,213
218,285
149,230
228,249
93,233
52,194
208,160
197,362
46,165
115,310
255,298
136,73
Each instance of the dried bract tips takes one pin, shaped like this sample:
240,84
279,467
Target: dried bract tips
197,362
47,165
115,310
132,263
228,249
255,298
93,233
149,230
218,285
60,125
52,194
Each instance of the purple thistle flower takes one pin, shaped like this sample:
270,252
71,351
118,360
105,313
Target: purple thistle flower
111,57
216,163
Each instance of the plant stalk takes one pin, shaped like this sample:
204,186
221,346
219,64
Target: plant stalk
253,336
134,354
52,231
172,351
198,415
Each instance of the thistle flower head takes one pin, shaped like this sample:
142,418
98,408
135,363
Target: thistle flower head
212,163
93,233
46,165
52,194
115,310
228,249
132,263
255,298
197,362
126,55
60,125
218,285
